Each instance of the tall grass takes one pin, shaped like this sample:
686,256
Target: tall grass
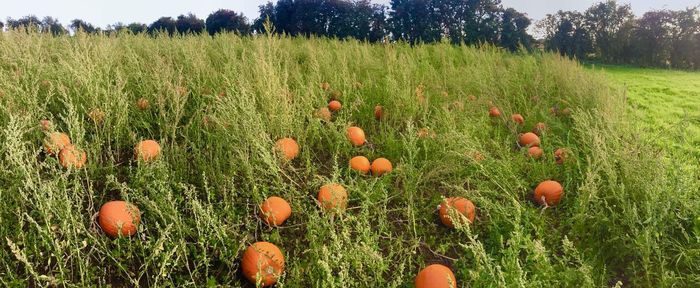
218,105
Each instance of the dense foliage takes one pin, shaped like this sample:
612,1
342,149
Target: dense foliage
611,33
628,215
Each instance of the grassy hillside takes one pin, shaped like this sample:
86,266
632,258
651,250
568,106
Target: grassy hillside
667,102
629,214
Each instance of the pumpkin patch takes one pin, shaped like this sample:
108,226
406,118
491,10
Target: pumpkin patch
356,136
335,106
381,166
529,139
360,164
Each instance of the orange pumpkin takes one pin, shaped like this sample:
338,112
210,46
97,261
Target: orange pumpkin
275,210
517,118
381,166
71,157
548,193
560,156
378,110
529,139
325,86
460,205
332,196
539,128
494,112
324,114
288,147
356,136
56,141
119,218
360,164
263,263
436,276
535,152
143,104
147,150
334,105
45,125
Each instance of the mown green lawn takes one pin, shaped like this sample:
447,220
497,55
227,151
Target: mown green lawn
666,101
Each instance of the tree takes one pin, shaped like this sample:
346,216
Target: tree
163,24
603,21
414,21
80,25
685,27
25,23
514,30
653,38
2,25
51,25
189,24
566,33
267,12
137,28
227,20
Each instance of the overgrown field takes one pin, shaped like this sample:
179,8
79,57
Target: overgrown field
630,214
667,102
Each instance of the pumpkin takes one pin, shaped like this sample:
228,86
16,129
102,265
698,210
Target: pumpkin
560,156
494,112
554,111
381,166
357,85
147,150
56,141
529,139
462,206
534,152
548,193
539,128
119,218
72,157
332,196
472,98
45,125
97,115
143,103
356,136
360,163
517,118
566,112
275,210
436,276
445,94
324,114
378,111
262,264
325,86
288,147
334,105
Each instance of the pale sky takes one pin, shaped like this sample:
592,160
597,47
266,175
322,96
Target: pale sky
104,12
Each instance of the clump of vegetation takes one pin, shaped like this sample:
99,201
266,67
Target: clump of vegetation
628,213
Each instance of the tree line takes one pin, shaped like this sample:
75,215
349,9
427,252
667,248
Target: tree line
611,33
414,21
606,32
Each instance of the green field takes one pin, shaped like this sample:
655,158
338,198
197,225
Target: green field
667,102
629,214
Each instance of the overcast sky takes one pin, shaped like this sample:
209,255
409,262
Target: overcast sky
105,12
